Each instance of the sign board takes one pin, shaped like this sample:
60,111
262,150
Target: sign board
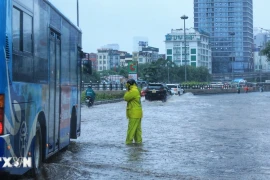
143,43
132,67
133,76
178,37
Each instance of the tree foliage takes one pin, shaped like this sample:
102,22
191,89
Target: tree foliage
159,71
266,51
167,71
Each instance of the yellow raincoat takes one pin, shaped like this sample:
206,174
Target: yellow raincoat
134,114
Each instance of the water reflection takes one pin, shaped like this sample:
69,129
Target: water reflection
135,152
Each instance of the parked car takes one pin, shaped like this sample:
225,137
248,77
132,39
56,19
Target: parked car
175,89
157,91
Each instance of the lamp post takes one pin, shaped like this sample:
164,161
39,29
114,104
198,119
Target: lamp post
78,13
260,66
232,53
168,72
185,17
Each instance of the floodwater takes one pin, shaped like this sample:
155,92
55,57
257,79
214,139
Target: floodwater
188,137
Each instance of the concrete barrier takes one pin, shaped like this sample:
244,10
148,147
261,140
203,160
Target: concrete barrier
219,91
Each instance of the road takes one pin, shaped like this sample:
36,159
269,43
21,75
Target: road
189,137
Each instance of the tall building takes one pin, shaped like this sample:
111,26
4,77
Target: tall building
230,25
198,50
261,37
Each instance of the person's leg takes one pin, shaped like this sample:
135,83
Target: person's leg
138,133
132,126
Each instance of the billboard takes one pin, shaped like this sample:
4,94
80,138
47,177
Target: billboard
132,67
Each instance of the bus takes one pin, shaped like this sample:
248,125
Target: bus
40,81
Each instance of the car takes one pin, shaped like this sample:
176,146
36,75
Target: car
157,91
175,89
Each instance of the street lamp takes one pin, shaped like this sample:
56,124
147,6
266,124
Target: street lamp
185,17
168,72
232,53
78,13
260,66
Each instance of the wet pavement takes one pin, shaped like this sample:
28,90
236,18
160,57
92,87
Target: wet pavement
189,137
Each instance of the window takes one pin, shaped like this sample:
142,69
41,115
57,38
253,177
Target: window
16,30
27,32
22,31
169,51
193,51
193,64
169,58
23,66
193,58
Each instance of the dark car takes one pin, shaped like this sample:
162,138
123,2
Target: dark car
157,91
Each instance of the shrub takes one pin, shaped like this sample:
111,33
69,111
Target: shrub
105,95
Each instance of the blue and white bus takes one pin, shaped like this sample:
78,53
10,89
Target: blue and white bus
40,75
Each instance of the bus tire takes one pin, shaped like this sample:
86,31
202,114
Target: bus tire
37,152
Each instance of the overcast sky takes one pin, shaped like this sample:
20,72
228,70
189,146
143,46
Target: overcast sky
118,21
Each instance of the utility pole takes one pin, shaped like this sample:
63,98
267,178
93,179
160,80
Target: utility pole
185,17
78,13
232,53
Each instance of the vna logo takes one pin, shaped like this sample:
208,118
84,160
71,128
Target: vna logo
17,162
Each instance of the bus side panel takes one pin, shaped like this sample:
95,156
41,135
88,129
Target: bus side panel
28,100
65,116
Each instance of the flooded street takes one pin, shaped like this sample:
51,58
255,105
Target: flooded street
188,137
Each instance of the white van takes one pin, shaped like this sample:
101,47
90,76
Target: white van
175,89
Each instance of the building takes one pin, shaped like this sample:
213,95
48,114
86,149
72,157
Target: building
198,50
148,54
261,37
260,62
108,59
230,25
92,57
124,58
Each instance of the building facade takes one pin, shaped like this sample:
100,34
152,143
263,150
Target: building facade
198,50
260,62
261,37
148,54
108,59
230,26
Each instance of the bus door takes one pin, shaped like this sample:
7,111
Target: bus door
54,85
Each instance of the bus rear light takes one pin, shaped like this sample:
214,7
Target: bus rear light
1,128
1,114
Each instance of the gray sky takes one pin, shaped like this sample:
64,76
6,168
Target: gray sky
118,21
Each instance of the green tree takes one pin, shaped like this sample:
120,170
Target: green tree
266,51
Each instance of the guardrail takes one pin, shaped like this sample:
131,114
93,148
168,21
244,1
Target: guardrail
121,87
108,87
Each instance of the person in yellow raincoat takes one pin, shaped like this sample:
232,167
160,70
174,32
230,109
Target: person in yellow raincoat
134,112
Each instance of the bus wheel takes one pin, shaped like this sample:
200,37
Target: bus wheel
37,153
